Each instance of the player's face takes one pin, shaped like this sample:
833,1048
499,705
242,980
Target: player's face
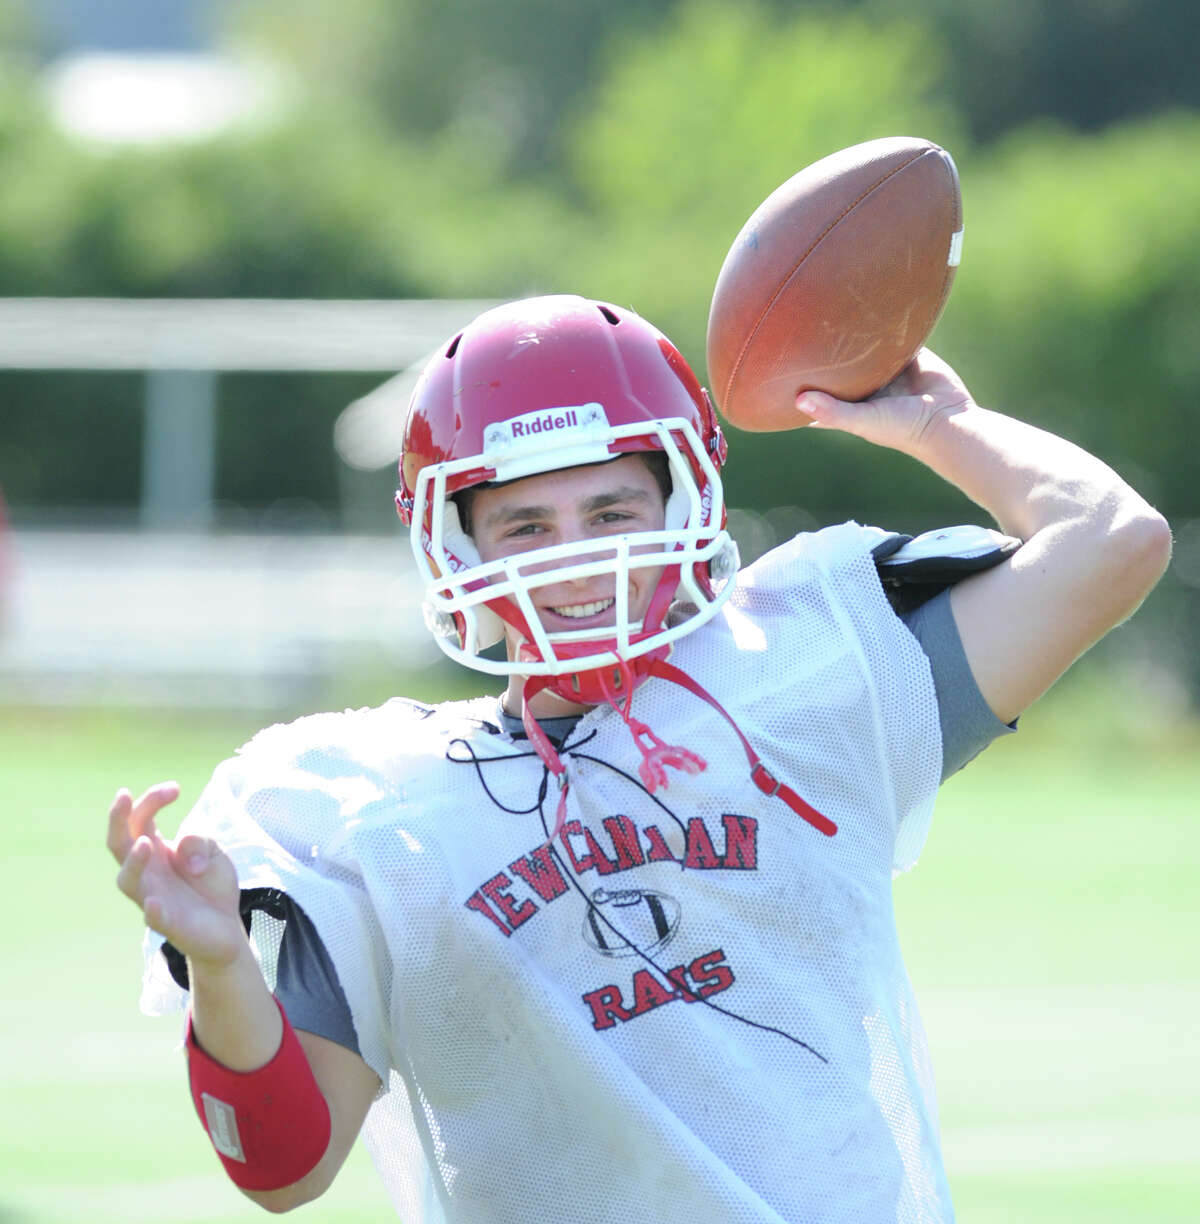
583,503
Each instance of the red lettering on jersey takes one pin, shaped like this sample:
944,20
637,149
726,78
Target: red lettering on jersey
700,852
649,992
476,902
604,865
625,842
574,828
515,911
678,975
595,859
539,870
741,842
660,852
606,1006
710,974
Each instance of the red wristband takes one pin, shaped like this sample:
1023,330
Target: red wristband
271,1126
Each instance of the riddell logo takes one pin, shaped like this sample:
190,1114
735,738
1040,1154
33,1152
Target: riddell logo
568,421
544,424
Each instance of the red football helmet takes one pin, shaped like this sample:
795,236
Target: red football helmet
539,385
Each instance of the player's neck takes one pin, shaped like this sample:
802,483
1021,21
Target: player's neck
543,704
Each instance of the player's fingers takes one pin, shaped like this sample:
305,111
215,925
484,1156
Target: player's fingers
133,869
827,412
928,375
815,405
119,839
157,915
905,383
928,362
149,804
195,854
207,868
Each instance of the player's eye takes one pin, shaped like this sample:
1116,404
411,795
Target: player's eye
622,516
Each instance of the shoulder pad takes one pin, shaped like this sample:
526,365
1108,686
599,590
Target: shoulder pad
915,570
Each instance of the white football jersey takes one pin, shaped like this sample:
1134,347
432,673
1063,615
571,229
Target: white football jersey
691,1005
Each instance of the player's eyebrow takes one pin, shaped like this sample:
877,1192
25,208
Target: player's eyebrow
615,497
512,514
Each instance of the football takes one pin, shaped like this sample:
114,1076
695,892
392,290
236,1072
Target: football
835,281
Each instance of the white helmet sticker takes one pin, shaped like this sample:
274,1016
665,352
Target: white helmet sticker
566,425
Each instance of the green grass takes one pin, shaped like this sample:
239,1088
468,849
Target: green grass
1050,930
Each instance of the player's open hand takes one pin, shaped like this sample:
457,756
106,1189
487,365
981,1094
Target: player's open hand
900,415
187,891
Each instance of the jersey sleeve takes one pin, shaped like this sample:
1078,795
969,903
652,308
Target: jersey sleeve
967,721
307,985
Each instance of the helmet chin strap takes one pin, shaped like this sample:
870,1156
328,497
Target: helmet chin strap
615,685
612,685
759,774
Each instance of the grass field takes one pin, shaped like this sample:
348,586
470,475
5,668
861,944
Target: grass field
1051,930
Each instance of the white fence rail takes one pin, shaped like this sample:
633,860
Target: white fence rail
183,345
227,621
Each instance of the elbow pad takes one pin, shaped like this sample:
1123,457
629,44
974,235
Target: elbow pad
271,1126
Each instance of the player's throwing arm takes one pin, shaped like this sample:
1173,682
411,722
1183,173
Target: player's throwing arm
818,317
1093,547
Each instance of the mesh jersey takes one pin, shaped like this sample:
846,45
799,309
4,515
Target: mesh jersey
306,982
692,1005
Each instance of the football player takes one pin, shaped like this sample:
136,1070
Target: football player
619,944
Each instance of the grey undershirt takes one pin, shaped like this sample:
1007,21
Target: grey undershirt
307,984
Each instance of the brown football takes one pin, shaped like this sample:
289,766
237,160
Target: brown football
835,281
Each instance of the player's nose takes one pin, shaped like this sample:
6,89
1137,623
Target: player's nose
597,552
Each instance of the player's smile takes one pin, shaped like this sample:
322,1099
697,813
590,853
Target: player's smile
596,613
581,611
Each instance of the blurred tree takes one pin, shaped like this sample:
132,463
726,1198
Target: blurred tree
692,125
324,203
507,72
18,31
514,70
1076,304
1088,64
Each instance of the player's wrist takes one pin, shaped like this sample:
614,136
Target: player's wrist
232,955
234,1015
225,968
945,438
